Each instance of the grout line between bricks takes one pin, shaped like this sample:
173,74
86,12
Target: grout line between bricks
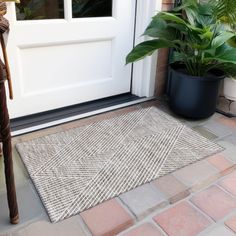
84,226
127,209
159,227
201,211
225,191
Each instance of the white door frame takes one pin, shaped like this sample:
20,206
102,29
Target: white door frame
144,71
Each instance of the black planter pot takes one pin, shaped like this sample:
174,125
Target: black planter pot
191,96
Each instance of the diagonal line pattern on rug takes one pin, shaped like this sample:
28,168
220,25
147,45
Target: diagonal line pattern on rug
80,168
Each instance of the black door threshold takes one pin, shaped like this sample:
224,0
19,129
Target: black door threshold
66,112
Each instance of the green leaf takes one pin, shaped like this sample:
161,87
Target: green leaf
146,49
211,51
207,35
232,42
229,69
221,39
156,26
157,23
171,17
205,9
177,57
159,28
191,15
226,55
225,10
186,4
181,28
169,33
204,20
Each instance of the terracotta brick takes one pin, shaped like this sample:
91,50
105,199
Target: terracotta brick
198,175
167,7
182,220
146,229
163,53
229,183
168,1
231,223
163,68
221,163
163,56
214,202
108,218
160,83
173,189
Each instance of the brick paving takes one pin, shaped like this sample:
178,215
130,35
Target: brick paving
220,163
108,218
231,223
173,189
144,229
182,220
229,183
215,202
198,200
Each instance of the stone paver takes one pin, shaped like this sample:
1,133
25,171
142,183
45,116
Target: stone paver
195,123
30,208
20,172
70,227
214,202
182,220
231,223
229,151
218,231
217,128
197,175
231,139
108,218
220,163
229,183
173,189
143,200
205,132
146,229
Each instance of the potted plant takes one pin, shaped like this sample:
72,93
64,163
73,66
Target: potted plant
201,54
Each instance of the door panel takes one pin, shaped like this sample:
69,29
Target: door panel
61,62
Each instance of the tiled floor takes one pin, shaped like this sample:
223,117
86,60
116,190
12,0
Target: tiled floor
199,199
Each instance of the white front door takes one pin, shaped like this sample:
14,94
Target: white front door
68,52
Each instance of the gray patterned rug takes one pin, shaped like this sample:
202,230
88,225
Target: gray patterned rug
77,169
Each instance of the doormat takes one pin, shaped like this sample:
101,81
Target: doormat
80,168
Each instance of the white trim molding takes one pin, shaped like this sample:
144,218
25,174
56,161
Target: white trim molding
144,71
